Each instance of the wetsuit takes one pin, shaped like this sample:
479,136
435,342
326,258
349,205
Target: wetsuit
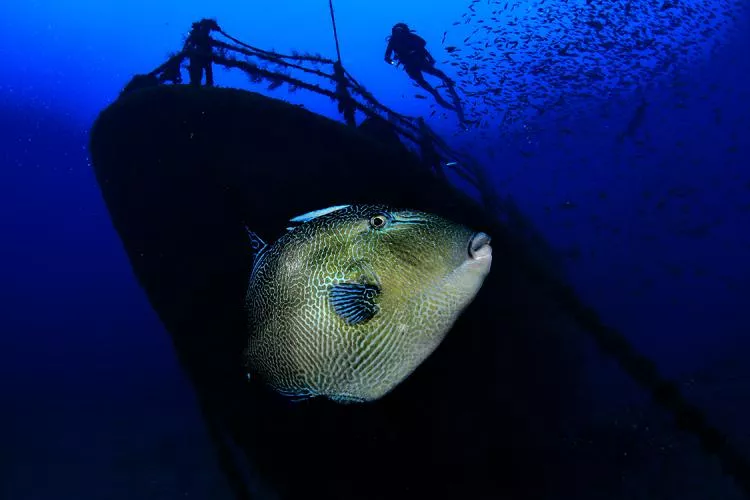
410,51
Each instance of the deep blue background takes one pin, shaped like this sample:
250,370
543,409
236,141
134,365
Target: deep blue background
654,230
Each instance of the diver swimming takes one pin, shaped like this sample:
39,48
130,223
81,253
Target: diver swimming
411,52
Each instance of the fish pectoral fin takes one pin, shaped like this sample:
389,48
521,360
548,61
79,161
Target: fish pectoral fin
354,302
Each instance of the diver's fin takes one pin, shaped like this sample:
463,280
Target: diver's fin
457,107
317,213
354,302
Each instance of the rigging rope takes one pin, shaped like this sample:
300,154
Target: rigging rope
275,55
335,33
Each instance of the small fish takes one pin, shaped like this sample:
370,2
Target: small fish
352,299
636,121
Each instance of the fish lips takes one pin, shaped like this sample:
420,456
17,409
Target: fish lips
479,248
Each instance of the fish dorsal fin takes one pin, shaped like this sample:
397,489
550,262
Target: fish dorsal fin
317,213
354,302
258,247
256,243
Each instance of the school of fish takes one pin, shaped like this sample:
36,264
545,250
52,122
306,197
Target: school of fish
518,59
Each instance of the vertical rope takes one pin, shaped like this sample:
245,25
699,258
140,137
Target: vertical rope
335,33
346,104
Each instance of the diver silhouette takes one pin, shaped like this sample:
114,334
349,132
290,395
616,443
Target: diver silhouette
199,50
410,50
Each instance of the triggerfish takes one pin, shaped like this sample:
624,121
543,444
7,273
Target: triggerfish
352,298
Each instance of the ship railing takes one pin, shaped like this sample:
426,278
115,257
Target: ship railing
336,83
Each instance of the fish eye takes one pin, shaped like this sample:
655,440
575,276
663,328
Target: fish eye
378,221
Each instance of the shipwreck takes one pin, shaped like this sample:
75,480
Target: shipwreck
183,168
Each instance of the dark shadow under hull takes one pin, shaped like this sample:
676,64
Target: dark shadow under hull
182,170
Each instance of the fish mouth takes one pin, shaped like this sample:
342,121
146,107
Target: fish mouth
479,246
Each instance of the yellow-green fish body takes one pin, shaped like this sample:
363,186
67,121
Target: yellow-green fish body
349,302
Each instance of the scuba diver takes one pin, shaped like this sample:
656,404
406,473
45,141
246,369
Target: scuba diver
199,50
410,51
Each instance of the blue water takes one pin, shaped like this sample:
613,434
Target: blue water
653,229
